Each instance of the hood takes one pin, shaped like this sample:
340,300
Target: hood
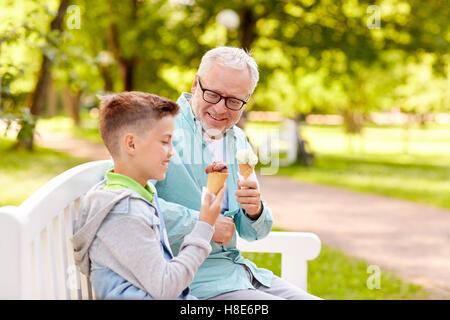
94,208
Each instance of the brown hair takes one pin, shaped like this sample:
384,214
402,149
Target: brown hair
132,110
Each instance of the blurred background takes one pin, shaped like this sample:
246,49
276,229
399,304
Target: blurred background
352,94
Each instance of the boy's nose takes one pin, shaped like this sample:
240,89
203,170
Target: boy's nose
171,151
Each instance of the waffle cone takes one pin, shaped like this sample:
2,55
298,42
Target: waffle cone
245,170
216,181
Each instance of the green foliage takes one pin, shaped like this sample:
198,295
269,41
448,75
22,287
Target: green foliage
23,36
12,109
314,56
18,33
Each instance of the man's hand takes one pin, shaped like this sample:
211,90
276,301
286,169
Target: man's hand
249,197
224,230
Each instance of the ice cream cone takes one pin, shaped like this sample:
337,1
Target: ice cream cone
216,181
245,170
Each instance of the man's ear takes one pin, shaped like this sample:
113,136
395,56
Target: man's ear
129,143
194,84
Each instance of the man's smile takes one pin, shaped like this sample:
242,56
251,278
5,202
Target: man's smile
215,117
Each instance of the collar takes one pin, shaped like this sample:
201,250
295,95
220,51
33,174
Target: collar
186,110
116,181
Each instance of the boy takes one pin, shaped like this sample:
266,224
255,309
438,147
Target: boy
120,239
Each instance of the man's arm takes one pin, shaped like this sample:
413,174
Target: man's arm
179,221
250,229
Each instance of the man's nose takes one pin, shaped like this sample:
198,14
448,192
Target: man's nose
220,107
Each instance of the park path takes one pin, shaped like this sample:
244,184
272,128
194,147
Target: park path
407,239
76,147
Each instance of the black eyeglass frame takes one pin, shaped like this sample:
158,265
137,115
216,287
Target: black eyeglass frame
220,97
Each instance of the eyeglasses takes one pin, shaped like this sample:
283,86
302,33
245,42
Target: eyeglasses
231,103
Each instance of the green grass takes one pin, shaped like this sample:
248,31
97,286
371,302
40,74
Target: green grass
396,141
23,172
336,276
381,161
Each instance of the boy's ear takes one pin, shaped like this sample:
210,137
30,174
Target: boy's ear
129,143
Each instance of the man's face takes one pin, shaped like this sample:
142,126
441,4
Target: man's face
216,119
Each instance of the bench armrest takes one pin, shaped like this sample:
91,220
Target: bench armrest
296,249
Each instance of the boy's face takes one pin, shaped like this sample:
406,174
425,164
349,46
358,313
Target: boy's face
154,149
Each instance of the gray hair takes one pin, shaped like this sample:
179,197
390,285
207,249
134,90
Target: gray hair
232,57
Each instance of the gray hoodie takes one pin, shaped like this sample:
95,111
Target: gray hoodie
122,231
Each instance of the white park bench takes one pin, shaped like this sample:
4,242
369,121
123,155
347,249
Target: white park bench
37,255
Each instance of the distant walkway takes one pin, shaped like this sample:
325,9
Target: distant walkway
405,238
76,147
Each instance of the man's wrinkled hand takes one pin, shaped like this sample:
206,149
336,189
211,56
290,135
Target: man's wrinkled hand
249,197
224,230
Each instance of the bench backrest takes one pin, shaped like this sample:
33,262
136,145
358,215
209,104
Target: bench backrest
37,256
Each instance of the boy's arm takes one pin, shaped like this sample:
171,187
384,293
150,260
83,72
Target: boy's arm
138,254
180,221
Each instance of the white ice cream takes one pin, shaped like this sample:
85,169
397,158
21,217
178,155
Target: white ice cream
246,156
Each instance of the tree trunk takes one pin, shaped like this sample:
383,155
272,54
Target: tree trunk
248,23
107,79
52,100
127,70
38,97
39,94
353,120
72,104
76,107
127,66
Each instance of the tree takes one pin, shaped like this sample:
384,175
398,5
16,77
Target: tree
314,56
12,102
38,96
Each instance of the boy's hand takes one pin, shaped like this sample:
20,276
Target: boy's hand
209,211
249,197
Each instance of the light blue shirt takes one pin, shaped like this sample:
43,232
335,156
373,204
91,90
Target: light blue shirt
180,200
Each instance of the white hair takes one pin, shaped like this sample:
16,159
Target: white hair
232,57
